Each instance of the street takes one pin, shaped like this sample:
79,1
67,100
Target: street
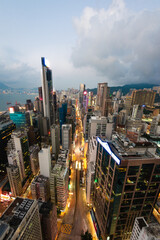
77,217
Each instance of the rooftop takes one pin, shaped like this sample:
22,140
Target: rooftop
3,229
5,123
16,212
141,222
123,148
40,179
59,170
45,207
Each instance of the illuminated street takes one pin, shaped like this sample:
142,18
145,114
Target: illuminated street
77,215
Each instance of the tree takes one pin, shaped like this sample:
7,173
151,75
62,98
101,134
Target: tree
86,236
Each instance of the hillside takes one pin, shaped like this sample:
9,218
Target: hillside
3,86
126,88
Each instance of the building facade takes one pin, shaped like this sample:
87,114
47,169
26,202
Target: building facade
143,97
14,180
40,188
22,220
66,136
144,231
59,186
55,139
92,151
47,90
34,149
6,129
48,216
126,184
102,96
45,161
100,126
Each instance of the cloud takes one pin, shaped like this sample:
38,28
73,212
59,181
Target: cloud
17,74
121,46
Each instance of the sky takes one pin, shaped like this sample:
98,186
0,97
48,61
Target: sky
85,41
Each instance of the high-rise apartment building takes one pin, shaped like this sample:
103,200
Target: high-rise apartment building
155,126
143,97
34,150
19,143
66,136
82,87
100,126
45,161
144,231
14,180
55,139
92,151
102,96
55,116
16,158
6,129
63,158
48,216
59,186
137,112
40,188
21,221
47,90
126,184
81,91
90,98
88,115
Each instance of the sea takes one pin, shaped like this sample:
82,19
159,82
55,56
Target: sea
14,98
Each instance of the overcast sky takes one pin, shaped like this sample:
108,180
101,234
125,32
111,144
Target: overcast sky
86,41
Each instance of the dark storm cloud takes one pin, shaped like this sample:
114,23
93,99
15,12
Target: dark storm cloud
120,45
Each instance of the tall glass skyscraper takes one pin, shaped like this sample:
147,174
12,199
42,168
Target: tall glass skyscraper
126,185
47,90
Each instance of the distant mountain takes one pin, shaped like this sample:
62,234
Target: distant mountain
126,88
3,86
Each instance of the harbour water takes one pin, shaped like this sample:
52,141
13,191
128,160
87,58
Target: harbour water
13,98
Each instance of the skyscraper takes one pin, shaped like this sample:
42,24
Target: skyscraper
126,184
100,126
103,97
47,90
6,128
66,136
45,161
19,142
143,231
48,216
55,139
59,186
21,220
14,180
34,149
81,90
40,188
143,97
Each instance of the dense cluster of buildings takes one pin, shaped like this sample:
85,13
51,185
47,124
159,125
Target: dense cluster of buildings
122,179
36,146
123,168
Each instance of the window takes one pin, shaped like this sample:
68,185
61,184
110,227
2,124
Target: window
133,170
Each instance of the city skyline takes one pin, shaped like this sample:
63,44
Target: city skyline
82,41
93,172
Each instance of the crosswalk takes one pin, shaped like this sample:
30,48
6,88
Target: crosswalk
66,228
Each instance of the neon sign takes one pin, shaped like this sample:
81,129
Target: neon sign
106,146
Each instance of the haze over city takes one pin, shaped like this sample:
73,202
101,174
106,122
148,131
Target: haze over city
85,41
